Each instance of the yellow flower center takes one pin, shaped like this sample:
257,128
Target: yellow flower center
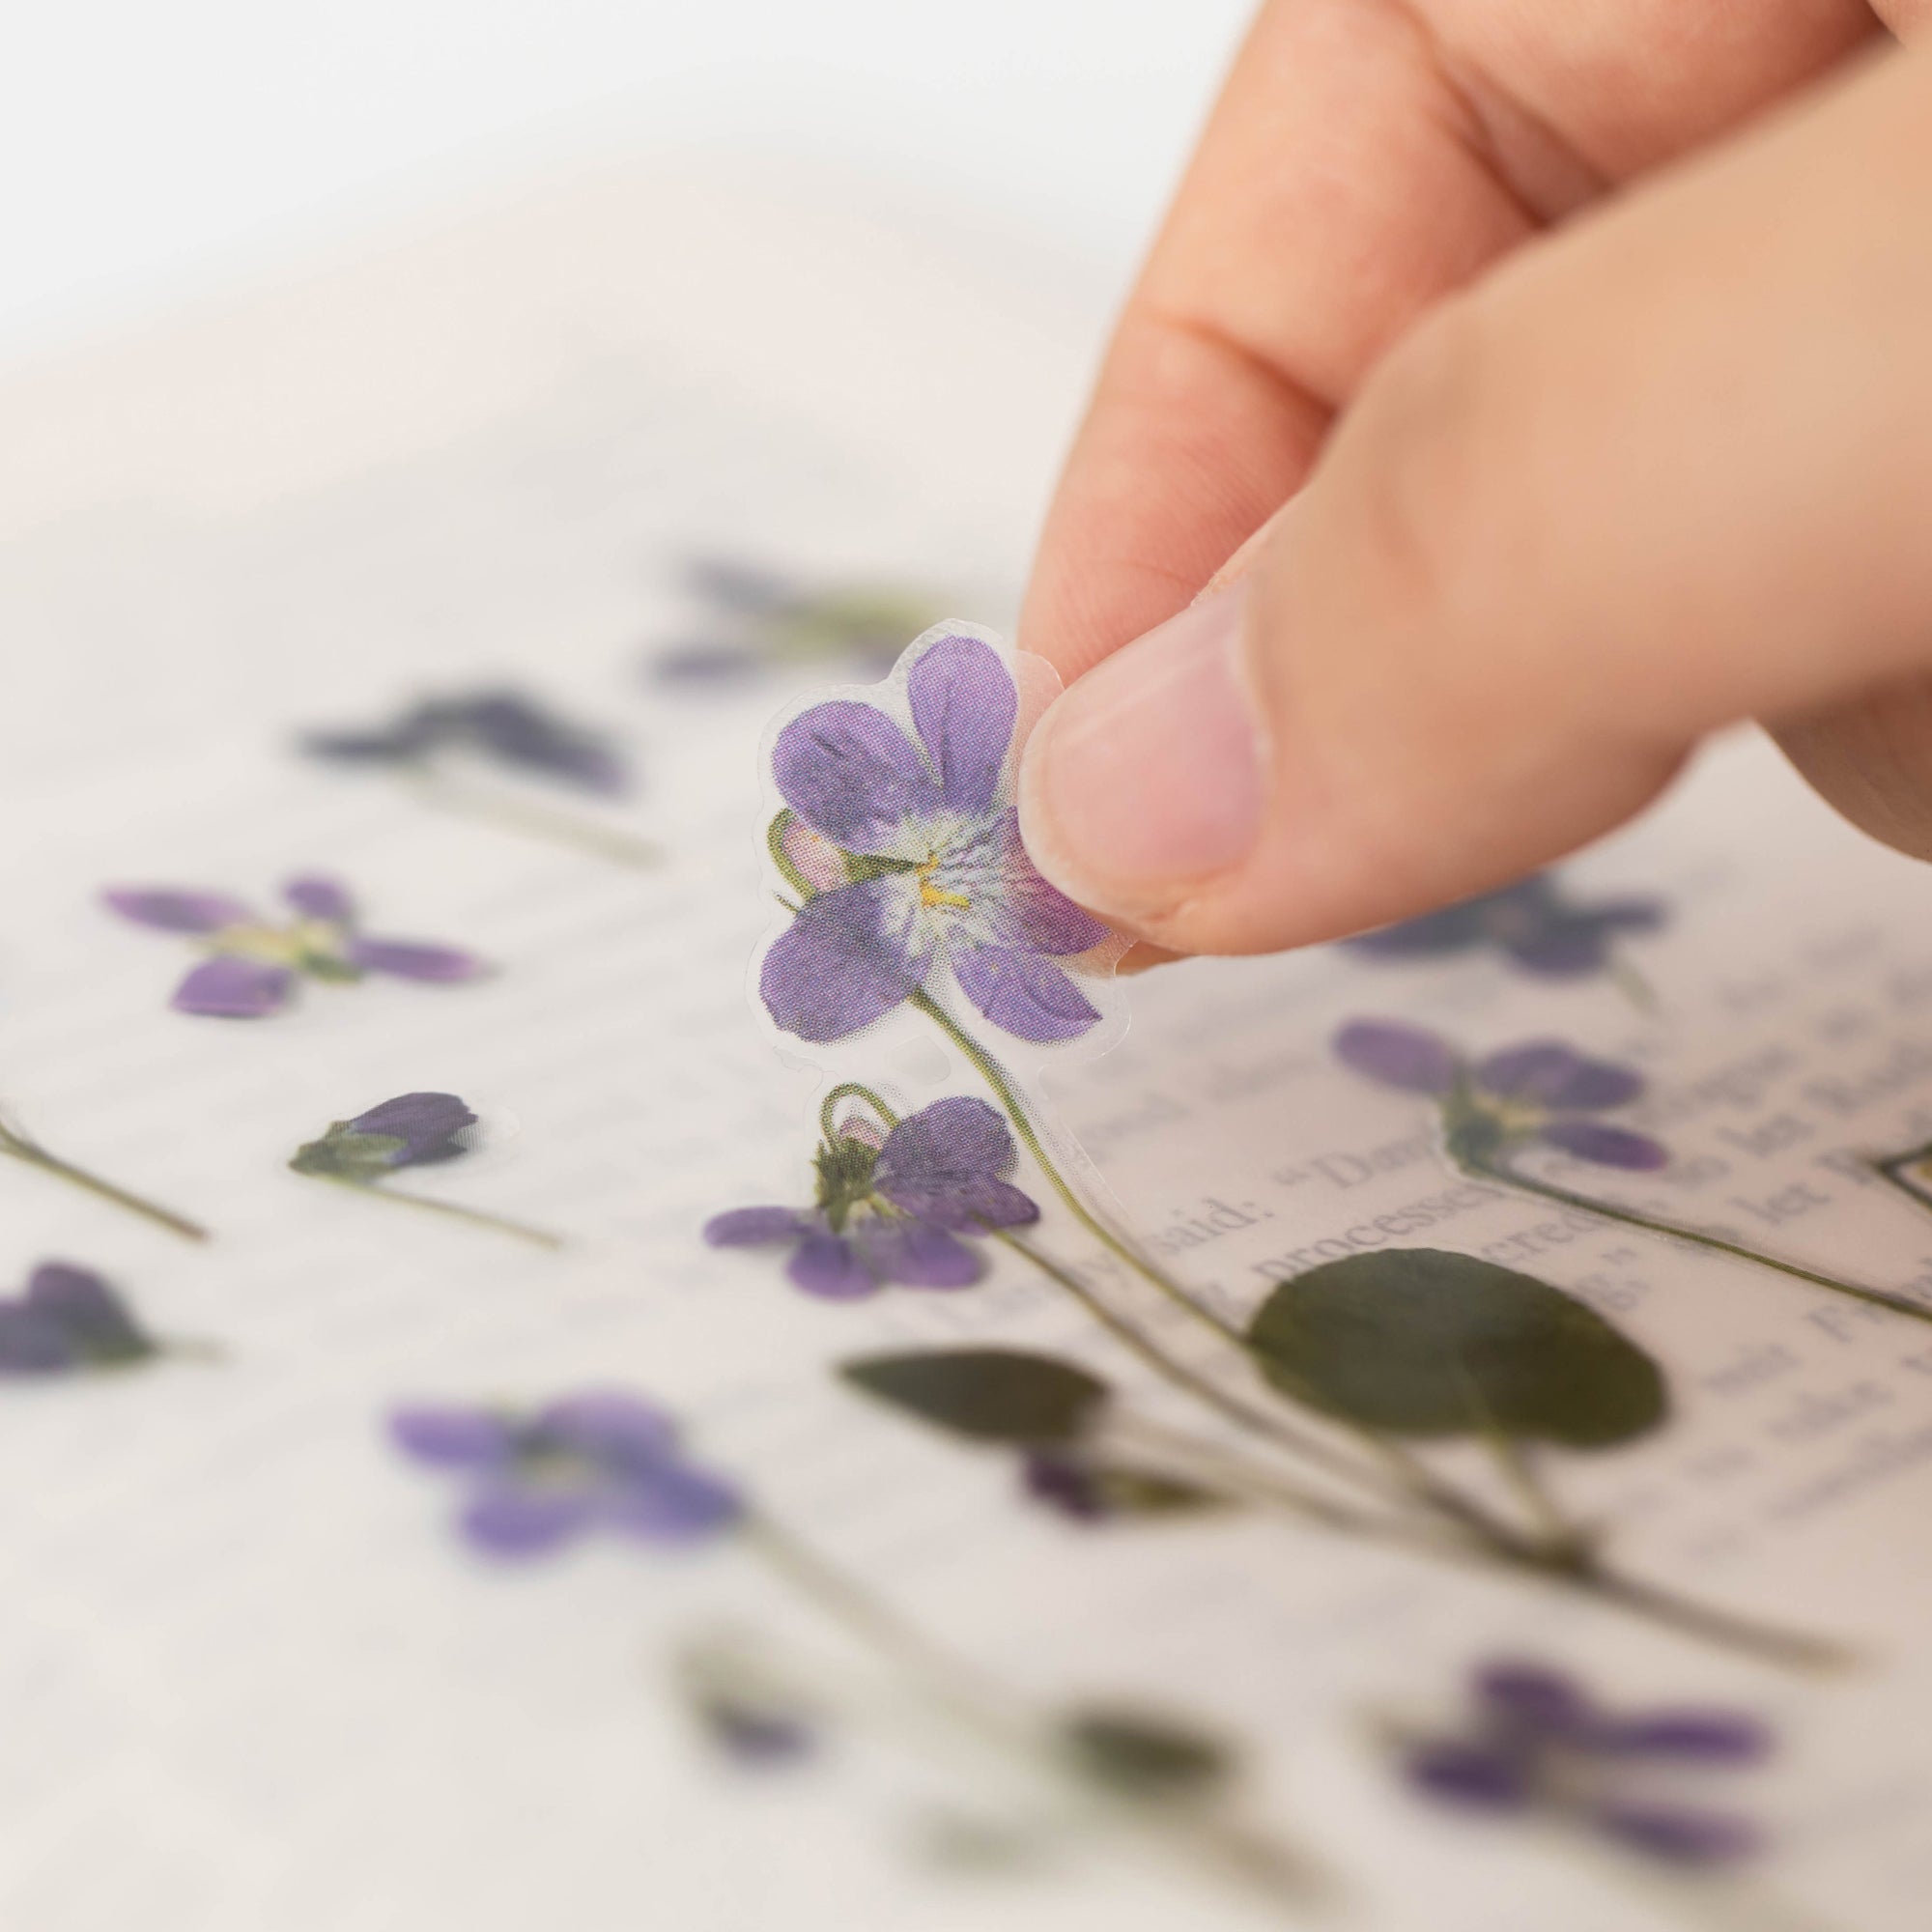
931,895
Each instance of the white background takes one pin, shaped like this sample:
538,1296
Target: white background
157,148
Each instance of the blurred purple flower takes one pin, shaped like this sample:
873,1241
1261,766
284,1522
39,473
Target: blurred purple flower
1530,923
759,621
256,964
933,858
68,1320
412,1130
596,1461
1535,1743
893,1211
1541,1090
504,727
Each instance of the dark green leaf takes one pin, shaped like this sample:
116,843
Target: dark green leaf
1146,1757
993,1395
1423,1343
1143,1493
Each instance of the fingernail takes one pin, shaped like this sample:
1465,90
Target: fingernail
1147,777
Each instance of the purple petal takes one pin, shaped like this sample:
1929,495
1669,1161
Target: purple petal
609,1427
1606,1144
234,989
1564,949
456,1439
520,733
315,896
1679,1835
1023,993
843,962
756,1227
1032,912
1531,1696
1065,1483
849,772
510,1520
963,707
442,964
915,1254
34,1342
1397,1056
943,1165
825,1265
675,1504
1630,915
1475,1775
1550,1074
89,1311
171,911
1696,1736
1454,929
426,1123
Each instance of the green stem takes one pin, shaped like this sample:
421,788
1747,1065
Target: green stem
1634,986
853,1090
1512,1176
33,1155
540,1237
537,821
996,1077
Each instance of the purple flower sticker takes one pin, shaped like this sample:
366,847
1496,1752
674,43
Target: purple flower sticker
68,1320
256,964
1534,1742
501,728
1541,1092
410,1130
922,827
1531,925
893,1211
596,1462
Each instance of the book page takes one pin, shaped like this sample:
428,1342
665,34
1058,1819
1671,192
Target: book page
255,1672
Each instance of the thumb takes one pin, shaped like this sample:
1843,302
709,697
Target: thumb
1663,472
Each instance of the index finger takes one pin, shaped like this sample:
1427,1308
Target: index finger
1366,158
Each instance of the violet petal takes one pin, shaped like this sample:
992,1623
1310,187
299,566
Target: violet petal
172,911
318,896
1564,949
1477,1777
963,707
915,1254
610,1427
234,989
452,1438
1454,929
843,962
851,773
1679,1835
825,1265
1023,993
1606,1144
1400,1056
1034,913
92,1314
1547,1073
1533,1697
441,964
756,1227
34,1342
510,1519
675,1503
426,1123
1696,1736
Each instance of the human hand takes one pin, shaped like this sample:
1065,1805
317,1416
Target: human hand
1589,348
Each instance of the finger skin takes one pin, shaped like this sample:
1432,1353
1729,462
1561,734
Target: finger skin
1662,471
1367,158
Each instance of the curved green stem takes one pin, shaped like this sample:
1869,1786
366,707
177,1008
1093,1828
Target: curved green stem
477,1217
32,1155
853,1090
1512,1176
996,1078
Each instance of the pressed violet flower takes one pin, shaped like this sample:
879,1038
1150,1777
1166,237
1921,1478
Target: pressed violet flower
927,835
759,621
1539,1091
1535,1743
410,1130
501,728
1531,924
256,964
68,1320
893,1211
600,1461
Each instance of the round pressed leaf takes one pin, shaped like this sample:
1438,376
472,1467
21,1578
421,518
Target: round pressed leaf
1423,1343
